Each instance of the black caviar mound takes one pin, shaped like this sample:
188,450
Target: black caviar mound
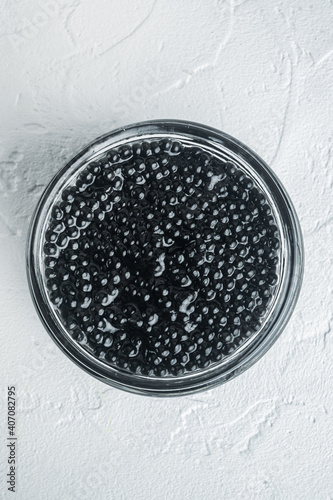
161,259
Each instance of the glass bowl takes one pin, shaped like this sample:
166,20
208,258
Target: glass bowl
115,354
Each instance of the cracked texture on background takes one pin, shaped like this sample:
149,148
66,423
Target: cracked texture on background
261,71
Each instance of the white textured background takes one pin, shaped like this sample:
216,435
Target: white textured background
260,70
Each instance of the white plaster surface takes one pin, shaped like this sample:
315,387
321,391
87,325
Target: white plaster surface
261,70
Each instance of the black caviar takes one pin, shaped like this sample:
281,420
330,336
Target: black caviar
161,259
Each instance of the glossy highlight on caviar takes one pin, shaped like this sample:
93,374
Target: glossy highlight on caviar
161,259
